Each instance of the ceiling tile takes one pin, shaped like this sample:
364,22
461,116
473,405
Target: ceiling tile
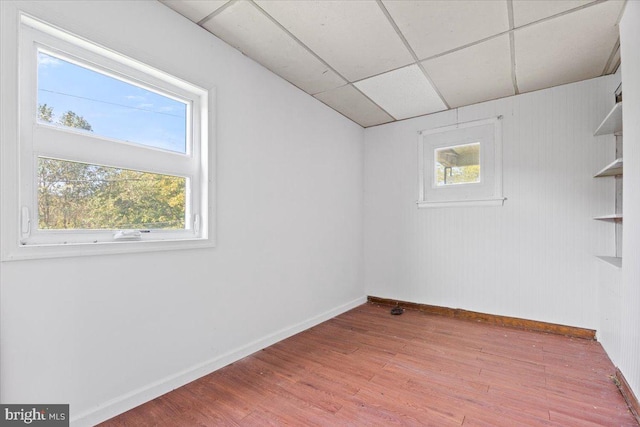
403,93
526,11
433,27
246,28
474,74
548,55
354,37
195,10
354,105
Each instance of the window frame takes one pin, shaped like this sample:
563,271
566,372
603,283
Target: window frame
22,238
487,192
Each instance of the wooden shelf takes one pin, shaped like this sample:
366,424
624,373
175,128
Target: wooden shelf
611,124
614,218
613,169
613,260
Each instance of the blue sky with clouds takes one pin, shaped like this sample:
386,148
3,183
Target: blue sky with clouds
114,108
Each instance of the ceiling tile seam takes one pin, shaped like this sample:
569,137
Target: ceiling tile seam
215,12
616,65
539,21
372,101
413,54
297,40
274,72
477,42
512,52
343,115
429,114
433,85
559,14
622,9
512,47
615,49
381,73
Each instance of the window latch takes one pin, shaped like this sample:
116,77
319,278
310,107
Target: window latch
25,223
196,223
128,235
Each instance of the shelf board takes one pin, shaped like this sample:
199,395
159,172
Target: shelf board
613,260
614,218
613,169
611,124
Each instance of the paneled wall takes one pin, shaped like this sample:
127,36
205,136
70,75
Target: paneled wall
610,304
533,258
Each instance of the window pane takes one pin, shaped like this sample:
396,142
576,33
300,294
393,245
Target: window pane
459,164
75,195
74,96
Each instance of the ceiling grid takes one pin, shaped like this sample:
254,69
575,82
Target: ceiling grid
512,47
377,61
218,10
413,54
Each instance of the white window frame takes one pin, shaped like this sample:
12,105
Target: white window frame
487,192
21,237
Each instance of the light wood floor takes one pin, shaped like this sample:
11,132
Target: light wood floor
368,368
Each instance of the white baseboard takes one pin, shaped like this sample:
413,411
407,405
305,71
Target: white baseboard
144,394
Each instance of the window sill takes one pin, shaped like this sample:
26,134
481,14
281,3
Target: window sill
31,252
461,203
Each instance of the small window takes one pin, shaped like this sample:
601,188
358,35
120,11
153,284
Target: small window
461,165
457,165
113,154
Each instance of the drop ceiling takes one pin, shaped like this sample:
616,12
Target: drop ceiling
378,61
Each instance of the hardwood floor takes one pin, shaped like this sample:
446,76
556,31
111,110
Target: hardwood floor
368,368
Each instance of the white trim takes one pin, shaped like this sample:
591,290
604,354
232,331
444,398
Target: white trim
462,203
497,198
421,166
146,393
498,189
48,251
103,51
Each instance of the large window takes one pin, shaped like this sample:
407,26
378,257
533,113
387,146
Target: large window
461,165
111,151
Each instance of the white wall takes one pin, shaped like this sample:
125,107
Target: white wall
534,257
609,312
104,333
629,362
